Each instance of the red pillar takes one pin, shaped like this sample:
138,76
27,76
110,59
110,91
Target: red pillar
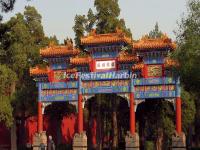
132,114
80,114
178,115
40,118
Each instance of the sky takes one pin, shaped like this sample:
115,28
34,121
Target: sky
140,15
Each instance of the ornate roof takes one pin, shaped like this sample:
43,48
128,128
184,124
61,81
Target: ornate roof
153,44
125,57
53,50
94,38
38,71
170,63
167,63
80,60
138,66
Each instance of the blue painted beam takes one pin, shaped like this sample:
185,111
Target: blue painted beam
60,85
59,97
106,89
154,81
158,94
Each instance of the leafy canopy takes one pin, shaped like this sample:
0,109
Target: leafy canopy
7,79
105,20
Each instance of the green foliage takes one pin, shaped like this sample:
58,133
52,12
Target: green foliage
91,19
149,145
6,110
20,40
79,28
156,119
6,6
188,56
33,22
158,116
107,15
105,19
155,33
188,38
188,110
7,80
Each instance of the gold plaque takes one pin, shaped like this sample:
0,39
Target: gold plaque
154,70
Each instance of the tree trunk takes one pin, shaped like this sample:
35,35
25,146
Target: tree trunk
99,136
159,140
13,136
114,120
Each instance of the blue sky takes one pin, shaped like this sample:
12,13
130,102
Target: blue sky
140,15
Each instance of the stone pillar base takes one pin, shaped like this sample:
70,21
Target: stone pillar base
179,141
39,138
80,141
132,141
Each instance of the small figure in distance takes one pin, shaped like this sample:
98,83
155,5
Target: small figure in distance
51,144
42,146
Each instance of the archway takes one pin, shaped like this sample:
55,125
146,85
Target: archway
155,122
56,117
107,119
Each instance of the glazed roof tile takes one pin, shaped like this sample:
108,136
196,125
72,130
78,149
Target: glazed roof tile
80,60
94,38
37,71
58,51
125,57
152,44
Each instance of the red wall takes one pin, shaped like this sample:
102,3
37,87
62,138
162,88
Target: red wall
68,128
5,138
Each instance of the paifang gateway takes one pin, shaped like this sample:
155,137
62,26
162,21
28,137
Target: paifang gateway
136,70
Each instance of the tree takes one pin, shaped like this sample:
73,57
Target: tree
188,37
188,110
155,33
33,22
7,78
107,15
20,40
6,5
79,28
156,121
188,55
91,19
105,19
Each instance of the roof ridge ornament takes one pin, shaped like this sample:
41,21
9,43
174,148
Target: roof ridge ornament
52,44
93,32
69,43
120,32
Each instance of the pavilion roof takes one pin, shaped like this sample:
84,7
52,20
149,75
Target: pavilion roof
167,64
126,57
154,44
55,50
80,60
116,37
38,71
